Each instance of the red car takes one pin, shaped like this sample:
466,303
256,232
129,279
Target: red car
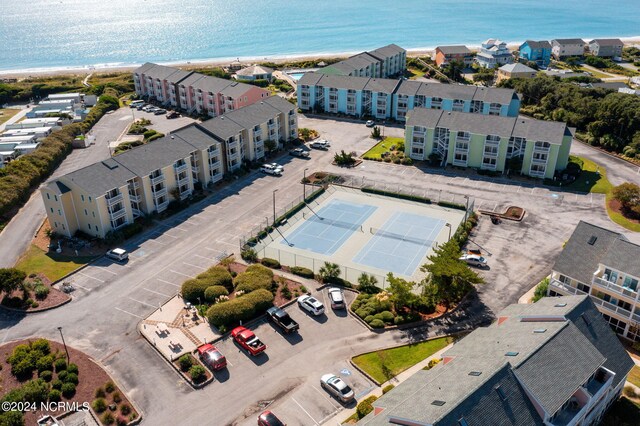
211,356
246,339
267,418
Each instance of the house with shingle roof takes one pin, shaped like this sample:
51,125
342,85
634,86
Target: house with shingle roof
536,51
604,265
565,47
606,47
445,54
555,362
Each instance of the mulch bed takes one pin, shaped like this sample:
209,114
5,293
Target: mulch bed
317,177
91,376
279,299
43,241
53,299
616,206
196,361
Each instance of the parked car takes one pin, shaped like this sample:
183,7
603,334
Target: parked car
136,103
118,254
319,144
270,170
337,387
370,123
173,114
311,304
337,298
282,319
299,152
159,111
148,108
474,260
212,357
267,418
248,341
278,167
141,107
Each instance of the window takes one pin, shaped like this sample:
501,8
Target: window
501,393
90,201
94,214
89,225
82,197
48,197
59,212
55,197
86,213
55,224
51,209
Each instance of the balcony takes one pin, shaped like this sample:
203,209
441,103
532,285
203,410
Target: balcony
117,214
180,168
182,180
564,289
615,309
194,169
113,199
461,163
620,291
134,197
292,122
160,192
156,180
134,185
162,206
214,153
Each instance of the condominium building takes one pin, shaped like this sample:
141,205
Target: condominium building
565,47
383,62
488,142
194,92
110,194
551,363
493,52
604,265
387,98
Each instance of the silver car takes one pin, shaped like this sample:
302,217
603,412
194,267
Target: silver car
474,260
336,297
337,387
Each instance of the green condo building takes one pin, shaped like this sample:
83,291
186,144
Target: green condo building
488,142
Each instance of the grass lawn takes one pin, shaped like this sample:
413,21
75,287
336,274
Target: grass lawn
620,219
413,73
396,360
382,147
7,113
623,412
52,265
594,73
634,376
592,179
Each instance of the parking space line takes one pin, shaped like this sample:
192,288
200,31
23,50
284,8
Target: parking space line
305,411
209,248
144,303
168,235
111,272
89,276
519,188
154,241
180,273
127,312
195,266
326,397
533,189
156,292
202,257
167,282
82,287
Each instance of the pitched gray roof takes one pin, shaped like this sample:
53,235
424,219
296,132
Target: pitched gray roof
568,41
143,68
386,51
542,44
556,371
235,89
623,256
210,84
178,76
477,123
255,69
221,127
408,87
424,117
160,153
579,259
494,95
540,130
447,91
99,178
58,187
607,42
516,67
343,82
194,135
383,85
310,78
161,72
454,50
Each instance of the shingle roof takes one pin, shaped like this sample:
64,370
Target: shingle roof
579,259
310,78
568,41
447,91
235,89
408,87
383,85
542,44
494,95
454,50
343,82
477,123
386,51
516,68
58,187
178,76
221,127
195,136
99,178
255,70
540,130
144,67
160,153
607,42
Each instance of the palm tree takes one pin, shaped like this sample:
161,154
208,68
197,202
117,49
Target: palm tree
329,272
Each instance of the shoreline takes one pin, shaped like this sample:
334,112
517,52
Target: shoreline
216,62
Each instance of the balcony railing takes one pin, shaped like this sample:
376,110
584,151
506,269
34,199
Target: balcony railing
156,180
462,163
213,153
565,288
117,214
613,308
194,169
160,192
134,185
182,180
162,206
623,291
134,197
113,199
180,168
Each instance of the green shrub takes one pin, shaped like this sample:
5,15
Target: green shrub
195,288
41,345
185,362
260,270
45,363
217,275
36,391
243,308
72,368
249,255
71,378
302,272
369,318
14,395
365,406
270,263
255,277
55,395
109,387
56,384
125,409
63,375
41,291
117,398
213,292
387,388
452,205
68,390
23,369
399,320
99,405
197,373
60,364
107,418
386,316
376,323
100,393
46,375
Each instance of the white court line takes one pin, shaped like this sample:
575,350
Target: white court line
180,273
89,276
144,303
324,395
167,282
127,312
195,266
305,411
156,292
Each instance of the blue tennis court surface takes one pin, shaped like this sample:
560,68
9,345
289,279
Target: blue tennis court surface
326,230
401,244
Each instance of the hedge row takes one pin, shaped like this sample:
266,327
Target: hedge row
20,177
302,272
241,308
415,198
256,277
452,205
195,288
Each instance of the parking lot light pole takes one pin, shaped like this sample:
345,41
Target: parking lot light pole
466,210
448,225
304,184
274,207
65,345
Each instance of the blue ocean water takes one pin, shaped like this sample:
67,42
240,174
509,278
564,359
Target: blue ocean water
79,33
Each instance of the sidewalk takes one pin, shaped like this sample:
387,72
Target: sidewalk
377,391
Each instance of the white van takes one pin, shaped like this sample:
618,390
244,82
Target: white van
118,254
135,104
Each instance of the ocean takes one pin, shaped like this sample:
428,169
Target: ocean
59,34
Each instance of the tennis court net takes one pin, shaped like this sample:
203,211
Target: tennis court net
393,235
331,222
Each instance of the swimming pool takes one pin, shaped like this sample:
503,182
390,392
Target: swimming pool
296,75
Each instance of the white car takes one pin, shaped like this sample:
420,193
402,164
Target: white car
320,144
118,254
370,123
311,305
337,387
474,260
270,170
278,167
336,297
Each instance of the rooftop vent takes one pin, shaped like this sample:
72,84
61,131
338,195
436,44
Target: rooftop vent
560,305
501,393
585,319
592,240
438,403
540,330
512,353
475,373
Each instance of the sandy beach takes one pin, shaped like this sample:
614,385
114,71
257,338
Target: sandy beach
207,63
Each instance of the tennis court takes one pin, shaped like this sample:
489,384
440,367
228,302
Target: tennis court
326,230
401,244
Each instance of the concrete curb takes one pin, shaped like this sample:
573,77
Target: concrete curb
37,310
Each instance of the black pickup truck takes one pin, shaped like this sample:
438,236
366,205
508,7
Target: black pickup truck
282,320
